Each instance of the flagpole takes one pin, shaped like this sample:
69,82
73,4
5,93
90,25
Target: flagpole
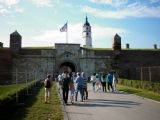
67,34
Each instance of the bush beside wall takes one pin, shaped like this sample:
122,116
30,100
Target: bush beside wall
146,85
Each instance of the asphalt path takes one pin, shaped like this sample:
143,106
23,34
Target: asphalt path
112,106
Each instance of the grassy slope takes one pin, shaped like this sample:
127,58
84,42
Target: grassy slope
39,110
140,92
36,109
8,90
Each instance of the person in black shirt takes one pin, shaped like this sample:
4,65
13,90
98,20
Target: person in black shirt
65,87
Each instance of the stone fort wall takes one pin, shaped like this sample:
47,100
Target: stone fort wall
130,62
41,62
5,65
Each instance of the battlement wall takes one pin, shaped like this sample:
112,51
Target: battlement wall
5,65
130,61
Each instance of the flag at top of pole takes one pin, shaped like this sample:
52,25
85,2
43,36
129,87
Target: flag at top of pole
64,28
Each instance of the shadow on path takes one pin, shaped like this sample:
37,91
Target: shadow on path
106,103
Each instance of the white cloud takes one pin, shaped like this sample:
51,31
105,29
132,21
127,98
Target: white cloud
19,10
9,6
1,6
154,1
110,2
42,3
100,32
9,2
132,10
55,36
101,13
3,11
101,1
75,35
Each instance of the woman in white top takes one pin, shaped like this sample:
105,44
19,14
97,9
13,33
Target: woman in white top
115,79
93,79
98,82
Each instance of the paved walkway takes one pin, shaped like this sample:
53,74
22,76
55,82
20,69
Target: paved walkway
112,106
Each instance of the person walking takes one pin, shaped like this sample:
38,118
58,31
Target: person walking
115,80
93,80
110,80
65,87
47,84
98,82
85,91
60,77
103,78
79,86
72,91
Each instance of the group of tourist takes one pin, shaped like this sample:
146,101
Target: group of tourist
74,83
100,81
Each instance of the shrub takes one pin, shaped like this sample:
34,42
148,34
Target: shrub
146,85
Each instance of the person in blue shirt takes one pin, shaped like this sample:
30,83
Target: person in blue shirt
79,86
110,80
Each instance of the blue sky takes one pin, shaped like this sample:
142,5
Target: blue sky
39,21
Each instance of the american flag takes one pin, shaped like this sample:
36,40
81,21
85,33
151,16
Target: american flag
64,28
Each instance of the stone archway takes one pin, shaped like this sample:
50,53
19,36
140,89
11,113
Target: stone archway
67,67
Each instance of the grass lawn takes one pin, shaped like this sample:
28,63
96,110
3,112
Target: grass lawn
140,92
7,90
36,109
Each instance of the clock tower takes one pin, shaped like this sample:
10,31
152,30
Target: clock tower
87,38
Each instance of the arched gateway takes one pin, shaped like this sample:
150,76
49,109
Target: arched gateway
67,66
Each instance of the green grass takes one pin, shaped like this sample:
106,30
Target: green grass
6,91
138,84
97,48
36,109
140,92
141,49
130,49
39,47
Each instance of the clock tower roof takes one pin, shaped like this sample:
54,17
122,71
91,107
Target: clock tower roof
86,22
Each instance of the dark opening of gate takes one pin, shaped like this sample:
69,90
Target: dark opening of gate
67,67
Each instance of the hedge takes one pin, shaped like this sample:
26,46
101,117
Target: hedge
146,85
7,91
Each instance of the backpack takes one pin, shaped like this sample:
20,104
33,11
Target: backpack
47,83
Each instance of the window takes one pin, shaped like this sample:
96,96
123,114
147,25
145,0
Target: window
87,33
66,56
